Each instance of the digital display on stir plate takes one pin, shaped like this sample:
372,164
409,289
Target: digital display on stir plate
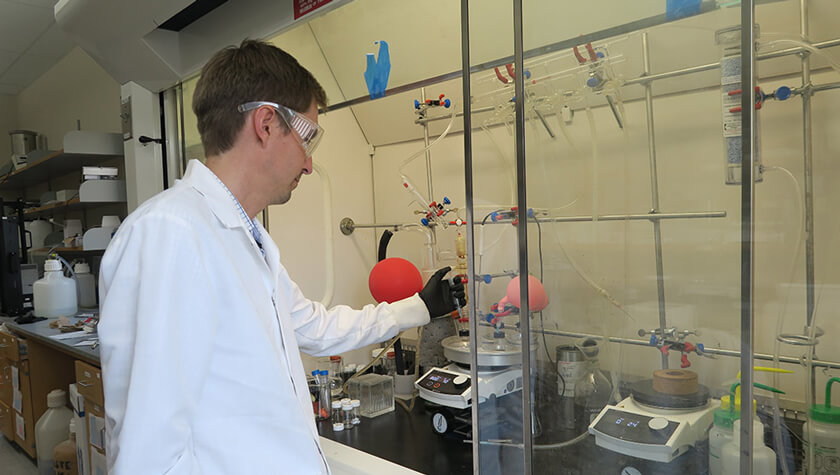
635,427
439,378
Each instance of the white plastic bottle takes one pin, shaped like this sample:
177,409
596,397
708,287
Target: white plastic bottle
65,461
721,432
54,295
86,285
764,458
719,435
51,429
825,425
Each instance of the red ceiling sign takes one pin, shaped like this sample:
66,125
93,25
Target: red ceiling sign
305,7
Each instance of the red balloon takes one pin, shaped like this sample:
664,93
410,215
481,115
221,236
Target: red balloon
537,298
394,279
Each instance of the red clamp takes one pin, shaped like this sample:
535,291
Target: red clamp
589,49
684,363
759,99
510,70
500,76
666,349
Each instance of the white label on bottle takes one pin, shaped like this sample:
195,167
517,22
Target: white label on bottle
826,458
571,371
15,377
20,427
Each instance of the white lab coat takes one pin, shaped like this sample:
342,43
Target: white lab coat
200,339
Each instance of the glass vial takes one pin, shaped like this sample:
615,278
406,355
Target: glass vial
324,394
347,409
337,414
356,404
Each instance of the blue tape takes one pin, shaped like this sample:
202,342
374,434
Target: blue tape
378,70
676,9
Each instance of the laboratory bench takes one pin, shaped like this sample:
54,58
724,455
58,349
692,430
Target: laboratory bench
41,333
34,363
408,439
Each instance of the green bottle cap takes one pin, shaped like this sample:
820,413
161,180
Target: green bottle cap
824,412
726,418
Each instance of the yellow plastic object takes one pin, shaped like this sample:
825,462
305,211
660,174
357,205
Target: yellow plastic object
724,401
767,370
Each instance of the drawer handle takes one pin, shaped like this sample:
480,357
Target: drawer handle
84,384
4,346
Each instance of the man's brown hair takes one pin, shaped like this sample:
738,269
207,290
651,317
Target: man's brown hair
253,71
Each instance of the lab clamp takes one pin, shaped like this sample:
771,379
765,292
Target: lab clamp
422,107
673,339
601,78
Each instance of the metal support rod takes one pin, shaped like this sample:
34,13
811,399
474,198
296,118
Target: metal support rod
643,79
807,142
381,225
347,225
808,159
429,188
472,284
709,66
825,87
522,202
654,193
625,217
748,161
711,351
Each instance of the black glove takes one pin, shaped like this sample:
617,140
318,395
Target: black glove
439,295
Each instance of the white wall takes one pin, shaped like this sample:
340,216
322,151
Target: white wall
701,257
299,229
75,89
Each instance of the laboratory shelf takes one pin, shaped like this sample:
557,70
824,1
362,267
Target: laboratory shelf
81,148
68,250
50,166
65,206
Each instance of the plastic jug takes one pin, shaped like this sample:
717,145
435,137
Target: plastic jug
51,429
64,455
721,432
54,295
764,458
86,285
824,426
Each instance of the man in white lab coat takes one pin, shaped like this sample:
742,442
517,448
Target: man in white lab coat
201,326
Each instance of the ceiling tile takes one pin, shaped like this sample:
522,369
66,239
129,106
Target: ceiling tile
21,25
9,89
26,70
53,44
6,58
36,3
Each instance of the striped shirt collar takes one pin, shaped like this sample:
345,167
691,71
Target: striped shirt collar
252,227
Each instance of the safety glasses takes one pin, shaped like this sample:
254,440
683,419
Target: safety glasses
309,132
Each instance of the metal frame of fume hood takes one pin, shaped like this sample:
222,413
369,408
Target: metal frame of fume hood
806,90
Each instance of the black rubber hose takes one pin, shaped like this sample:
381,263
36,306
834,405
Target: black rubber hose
383,245
383,252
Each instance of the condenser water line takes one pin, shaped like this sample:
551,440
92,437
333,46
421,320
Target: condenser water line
329,243
812,327
505,164
406,182
807,46
777,415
